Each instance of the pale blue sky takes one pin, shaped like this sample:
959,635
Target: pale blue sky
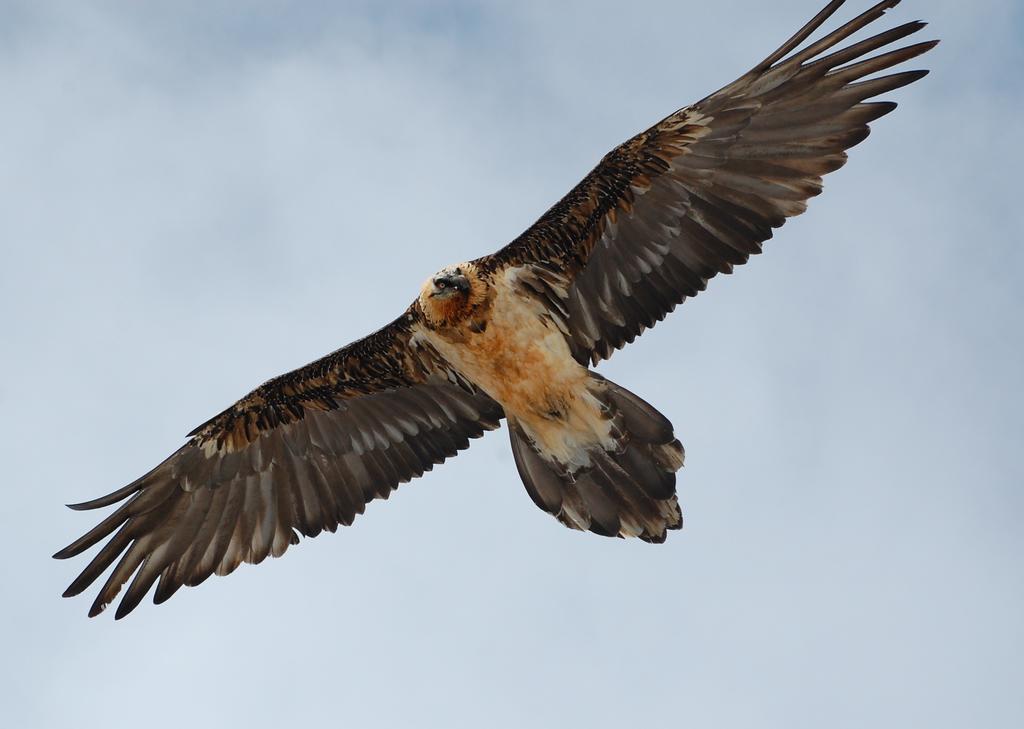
197,196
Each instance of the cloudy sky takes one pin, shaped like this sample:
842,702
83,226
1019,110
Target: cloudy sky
195,196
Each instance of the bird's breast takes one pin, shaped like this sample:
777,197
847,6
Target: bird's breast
518,356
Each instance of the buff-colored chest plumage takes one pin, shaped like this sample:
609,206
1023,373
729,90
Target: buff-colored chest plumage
521,359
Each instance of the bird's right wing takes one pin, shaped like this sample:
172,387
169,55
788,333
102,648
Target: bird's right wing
302,453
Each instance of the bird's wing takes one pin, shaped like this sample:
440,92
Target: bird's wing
302,453
697,193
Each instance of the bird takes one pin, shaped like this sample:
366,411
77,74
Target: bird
514,336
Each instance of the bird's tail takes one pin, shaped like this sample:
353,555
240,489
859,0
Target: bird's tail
625,491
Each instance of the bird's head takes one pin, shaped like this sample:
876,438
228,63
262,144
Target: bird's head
450,294
447,283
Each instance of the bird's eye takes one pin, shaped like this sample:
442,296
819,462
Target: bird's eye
441,284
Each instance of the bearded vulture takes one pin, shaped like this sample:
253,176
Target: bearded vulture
513,335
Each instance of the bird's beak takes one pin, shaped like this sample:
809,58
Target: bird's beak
452,284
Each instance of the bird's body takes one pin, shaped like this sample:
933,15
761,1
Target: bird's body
588,451
513,335
513,350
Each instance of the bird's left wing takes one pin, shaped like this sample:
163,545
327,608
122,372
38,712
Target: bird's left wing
302,453
697,193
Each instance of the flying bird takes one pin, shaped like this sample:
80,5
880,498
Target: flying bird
512,335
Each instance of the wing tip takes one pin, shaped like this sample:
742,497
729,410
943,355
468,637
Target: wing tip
100,501
161,598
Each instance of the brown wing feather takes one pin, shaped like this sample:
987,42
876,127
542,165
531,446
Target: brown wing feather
697,193
300,454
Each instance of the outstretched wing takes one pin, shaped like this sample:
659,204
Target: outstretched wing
697,193
302,453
